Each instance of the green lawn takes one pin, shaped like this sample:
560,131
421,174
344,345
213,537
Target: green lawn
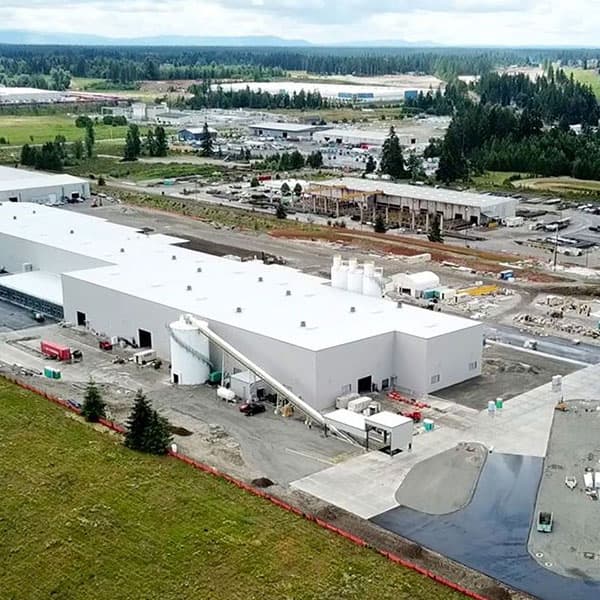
82,517
588,76
39,129
493,179
138,171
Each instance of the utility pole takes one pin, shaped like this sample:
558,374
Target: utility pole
555,250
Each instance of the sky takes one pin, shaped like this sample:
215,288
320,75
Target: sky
445,22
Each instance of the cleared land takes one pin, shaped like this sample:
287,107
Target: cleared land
82,517
39,129
560,184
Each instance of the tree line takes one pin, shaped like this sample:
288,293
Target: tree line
207,96
130,64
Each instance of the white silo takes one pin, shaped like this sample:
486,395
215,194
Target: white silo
355,277
190,364
339,273
372,280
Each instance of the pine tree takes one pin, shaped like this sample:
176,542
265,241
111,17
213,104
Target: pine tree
379,226
435,233
207,141
151,142
296,160
93,406
285,189
162,145
133,144
157,435
297,189
138,422
392,161
90,139
147,431
78,150
281,213
370,165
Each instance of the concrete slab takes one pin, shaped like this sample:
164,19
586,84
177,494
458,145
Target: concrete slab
366,485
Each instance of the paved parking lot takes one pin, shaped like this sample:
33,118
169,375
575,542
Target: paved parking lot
14,317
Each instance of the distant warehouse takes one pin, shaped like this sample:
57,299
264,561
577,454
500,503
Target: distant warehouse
195,134
284,130
411,206
359,137
21,185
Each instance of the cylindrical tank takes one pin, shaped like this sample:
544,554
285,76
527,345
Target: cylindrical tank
372,281
188,347
339,273
355,280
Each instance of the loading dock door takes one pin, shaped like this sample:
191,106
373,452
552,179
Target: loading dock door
365,385
81,319
145,338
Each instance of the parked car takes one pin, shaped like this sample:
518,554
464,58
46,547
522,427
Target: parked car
252,408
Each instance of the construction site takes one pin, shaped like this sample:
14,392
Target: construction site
364,383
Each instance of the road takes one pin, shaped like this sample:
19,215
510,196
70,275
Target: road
550,345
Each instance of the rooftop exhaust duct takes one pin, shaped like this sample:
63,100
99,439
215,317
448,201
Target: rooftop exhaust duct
302,323
238,309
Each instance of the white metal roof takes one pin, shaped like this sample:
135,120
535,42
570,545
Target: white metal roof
20,179
387,420
291,127
39,284
197,130
143,266
422,279
418,192
347,417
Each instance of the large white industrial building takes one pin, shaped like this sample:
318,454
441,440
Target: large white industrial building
22,185
315,336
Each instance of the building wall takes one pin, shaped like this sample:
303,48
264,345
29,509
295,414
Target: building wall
343,365
410,354
112,313
47,194
455,357
15,251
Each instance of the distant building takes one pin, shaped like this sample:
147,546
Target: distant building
22,95
360,137
411,95
284,130
22,185
195,134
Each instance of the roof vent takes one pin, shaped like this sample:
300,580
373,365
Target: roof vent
174,257
238,309
34,211
399,304
302,323
72,231
122,249
260,280
353,309
15,218
199,270
288,292
189,288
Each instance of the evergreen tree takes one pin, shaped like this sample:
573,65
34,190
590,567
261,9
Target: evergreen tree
93,406
90,139
392,161
147,431
435,234
78,150
281,213
151,142
254,182
379,226
162,145
370,165
296,160
133,144
315,159
297,189
138,422
285,189
28,155
207,141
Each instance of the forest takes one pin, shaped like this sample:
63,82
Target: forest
126,65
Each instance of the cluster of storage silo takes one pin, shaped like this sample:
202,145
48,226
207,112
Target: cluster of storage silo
363,279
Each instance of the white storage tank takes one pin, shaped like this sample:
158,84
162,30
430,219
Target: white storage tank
372,280
189,353
339,273
355,277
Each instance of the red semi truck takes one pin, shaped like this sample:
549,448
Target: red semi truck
55,351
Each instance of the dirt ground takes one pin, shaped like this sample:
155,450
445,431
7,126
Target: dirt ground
505,373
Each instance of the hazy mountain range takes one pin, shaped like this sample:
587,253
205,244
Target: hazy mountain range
32,37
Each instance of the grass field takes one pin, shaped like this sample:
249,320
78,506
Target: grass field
82,517
138,171
39,129
560,184
588,76
491,179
